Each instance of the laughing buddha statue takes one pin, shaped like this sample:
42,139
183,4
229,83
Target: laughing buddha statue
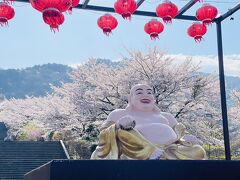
141,131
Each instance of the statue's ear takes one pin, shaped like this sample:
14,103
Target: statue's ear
129,99
129,105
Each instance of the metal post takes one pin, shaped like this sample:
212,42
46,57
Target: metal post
223,92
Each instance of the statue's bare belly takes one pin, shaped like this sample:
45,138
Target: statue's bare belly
157,133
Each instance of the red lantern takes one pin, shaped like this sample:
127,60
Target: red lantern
125,8
167,11
153,28
197,30
6,13
74,4
206,14
41,5
53,18
107,23
52,11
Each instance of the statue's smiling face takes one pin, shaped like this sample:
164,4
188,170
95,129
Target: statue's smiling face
142,97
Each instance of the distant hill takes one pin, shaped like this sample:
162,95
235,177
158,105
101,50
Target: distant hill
232,82
109,63
34,81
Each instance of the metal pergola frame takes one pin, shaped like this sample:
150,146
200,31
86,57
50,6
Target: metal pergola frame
85,6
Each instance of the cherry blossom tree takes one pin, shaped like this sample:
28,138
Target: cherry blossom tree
234,120
97,89
49,113
235,110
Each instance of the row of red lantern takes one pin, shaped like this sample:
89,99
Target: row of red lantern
52,12
167,11
154,27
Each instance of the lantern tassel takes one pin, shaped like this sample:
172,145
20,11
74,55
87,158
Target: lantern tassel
127,16
54,29
107,31
3,22
70,10
154,36
198,39
167,19
207,22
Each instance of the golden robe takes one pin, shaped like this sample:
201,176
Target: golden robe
116,143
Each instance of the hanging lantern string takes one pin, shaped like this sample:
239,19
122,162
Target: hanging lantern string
102,13
153,2
140,18
185,21
97,12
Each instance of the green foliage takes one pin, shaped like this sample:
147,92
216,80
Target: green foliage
65,135
80,149
218,153
90,132
31,131
214,152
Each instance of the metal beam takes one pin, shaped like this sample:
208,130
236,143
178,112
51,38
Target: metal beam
186,7
139,3
230,12
85,3
25,1
111,10
222,92
140,13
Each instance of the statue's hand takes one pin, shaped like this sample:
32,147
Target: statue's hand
126,123
190,138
